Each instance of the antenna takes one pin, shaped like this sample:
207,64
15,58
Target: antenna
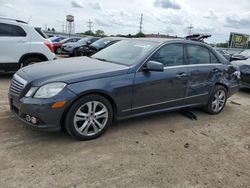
29,19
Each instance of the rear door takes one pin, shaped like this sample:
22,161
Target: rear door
14,42
157,90
204,67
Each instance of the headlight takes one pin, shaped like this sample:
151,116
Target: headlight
49,90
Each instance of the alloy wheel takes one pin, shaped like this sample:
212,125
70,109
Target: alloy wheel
91,118
219,101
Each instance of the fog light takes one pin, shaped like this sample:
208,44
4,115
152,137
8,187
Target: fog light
33,120
27,117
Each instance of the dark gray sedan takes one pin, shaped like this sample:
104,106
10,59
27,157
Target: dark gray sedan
130,78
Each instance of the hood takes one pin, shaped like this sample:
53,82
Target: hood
70,70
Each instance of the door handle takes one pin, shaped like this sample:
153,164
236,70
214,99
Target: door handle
182,75
215,70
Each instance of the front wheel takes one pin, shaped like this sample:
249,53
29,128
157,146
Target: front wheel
217,100
89,117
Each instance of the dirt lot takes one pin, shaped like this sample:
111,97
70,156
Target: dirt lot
164,150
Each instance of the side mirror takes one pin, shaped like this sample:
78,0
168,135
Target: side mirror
154,66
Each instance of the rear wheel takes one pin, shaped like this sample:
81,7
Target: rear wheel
217,100
58,51
89,117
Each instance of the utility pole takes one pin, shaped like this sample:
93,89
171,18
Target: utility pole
190,29
141,22
63,27
90,25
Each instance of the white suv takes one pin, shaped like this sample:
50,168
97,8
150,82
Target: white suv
21,45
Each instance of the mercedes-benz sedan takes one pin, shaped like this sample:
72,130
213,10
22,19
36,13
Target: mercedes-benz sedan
130,78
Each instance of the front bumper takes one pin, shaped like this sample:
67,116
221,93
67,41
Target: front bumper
67,51
47,118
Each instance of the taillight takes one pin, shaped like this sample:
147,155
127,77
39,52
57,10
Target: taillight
49,45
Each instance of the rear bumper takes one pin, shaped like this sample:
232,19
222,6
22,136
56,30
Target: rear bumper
233,89
244,84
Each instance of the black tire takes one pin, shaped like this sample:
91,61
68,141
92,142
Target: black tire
209,107
70,124
58,51
76,53
30,61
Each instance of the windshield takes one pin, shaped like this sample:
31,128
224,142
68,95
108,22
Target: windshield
101,43
127,52
245,53
83,41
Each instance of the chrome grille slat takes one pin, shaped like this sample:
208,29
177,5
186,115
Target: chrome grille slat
17,85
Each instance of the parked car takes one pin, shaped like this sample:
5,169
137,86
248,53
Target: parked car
72,49
130,78
57,45
224,53
98,45
22,44
244,66
243,55
56,39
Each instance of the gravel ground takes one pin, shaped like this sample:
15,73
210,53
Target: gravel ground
164,150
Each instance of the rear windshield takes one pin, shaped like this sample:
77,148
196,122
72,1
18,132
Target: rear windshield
41,33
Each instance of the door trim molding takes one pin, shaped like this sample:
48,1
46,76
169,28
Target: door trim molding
164,102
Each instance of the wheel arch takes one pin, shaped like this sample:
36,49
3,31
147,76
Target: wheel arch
28,55
221,84
94,92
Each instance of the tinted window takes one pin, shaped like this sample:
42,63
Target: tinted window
41,33
169,55
214,59
197,55
11,31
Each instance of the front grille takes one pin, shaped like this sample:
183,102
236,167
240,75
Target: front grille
17,85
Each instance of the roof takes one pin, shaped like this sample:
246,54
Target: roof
14,20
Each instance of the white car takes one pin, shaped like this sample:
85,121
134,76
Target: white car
22,45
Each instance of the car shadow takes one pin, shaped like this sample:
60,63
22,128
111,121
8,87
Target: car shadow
245,90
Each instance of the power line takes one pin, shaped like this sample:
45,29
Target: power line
90,25
141,23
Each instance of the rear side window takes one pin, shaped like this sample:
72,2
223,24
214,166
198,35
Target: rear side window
169,55
197,54
41,33
7,30
213,58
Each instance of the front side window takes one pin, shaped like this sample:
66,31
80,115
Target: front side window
197,54
7,30
214,59
169,55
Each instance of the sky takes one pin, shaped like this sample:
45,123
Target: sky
215,17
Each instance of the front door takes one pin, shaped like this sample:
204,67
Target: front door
156,90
